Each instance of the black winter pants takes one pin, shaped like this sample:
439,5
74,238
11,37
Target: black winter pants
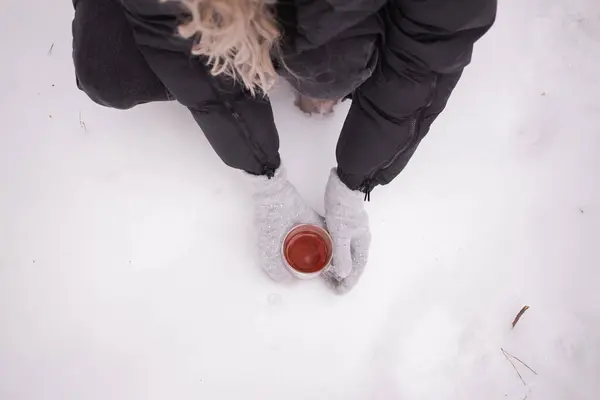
108,65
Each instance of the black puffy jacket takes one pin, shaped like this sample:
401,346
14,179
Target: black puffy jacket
398,60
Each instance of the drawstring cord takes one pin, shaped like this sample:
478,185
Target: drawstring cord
268,171
367,187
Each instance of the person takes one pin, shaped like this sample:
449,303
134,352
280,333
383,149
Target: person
396,60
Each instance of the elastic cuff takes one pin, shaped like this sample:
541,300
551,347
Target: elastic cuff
269,169
353,182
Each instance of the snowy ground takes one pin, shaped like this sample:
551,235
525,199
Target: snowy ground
126,266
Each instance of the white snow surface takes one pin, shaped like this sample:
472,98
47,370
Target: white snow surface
127,269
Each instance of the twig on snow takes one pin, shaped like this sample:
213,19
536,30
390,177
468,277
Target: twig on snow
519,315
81,123
51,48
519,360
514,366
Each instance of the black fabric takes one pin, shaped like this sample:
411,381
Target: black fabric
109,67
399,60
427,45
330,47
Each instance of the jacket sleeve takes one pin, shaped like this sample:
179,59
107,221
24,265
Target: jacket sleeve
427,45
238,126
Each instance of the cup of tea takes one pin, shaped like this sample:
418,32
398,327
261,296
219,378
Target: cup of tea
307,251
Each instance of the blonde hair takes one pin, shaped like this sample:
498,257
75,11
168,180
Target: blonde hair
237,37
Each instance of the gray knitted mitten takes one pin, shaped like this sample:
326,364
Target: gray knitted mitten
277,209
348,224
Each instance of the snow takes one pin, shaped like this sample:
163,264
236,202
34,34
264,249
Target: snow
126,258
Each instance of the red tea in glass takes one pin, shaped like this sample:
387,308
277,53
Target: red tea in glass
307,250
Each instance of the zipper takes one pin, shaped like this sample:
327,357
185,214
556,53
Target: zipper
257,152
369,184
